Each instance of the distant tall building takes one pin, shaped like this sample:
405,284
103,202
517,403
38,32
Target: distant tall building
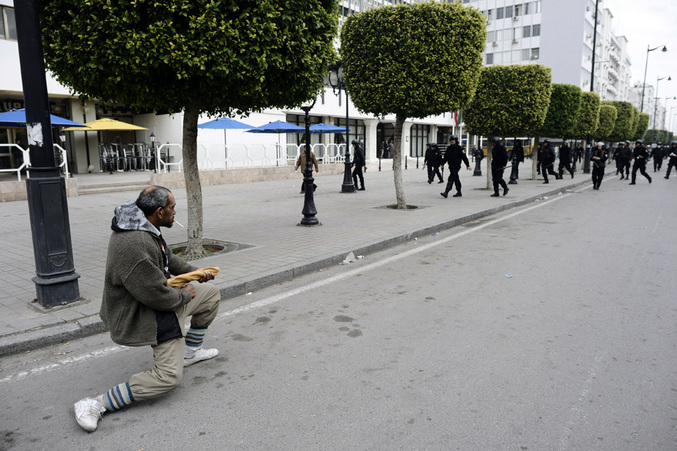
558,34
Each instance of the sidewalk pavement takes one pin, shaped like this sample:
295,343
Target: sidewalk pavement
263,215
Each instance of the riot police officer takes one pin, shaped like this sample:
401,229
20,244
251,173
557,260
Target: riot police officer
672,158
454,155
640,155
598,158
432,162
499,161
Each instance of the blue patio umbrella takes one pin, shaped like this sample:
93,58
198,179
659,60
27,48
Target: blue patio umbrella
277,127
17,118
225,123
326,128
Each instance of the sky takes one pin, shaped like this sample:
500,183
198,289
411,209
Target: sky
650,23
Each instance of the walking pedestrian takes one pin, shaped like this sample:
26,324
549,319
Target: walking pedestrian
640,155
358,165
626,159
618,157
453,156
432,161
141,309
499,161
516,156
657,157
546,159
301,163
598,158
672,159
565,160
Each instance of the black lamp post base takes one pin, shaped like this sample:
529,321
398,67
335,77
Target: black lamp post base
57,291
348,186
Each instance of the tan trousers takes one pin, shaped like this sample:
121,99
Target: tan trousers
168,370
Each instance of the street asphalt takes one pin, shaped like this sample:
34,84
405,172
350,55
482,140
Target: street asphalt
261,220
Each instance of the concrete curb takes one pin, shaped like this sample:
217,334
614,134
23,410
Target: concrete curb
91,325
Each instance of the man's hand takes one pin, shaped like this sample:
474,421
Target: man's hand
207,277
190,289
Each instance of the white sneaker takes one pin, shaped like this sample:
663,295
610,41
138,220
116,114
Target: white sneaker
88,412
200,355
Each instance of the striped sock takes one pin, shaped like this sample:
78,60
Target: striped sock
118,397
195,336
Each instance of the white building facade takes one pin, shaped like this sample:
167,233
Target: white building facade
558,34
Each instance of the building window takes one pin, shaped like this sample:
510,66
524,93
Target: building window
526,31
7,23
508,11
499,13
536,30
535,53
490,58
491,36
419,138
525,54
518,10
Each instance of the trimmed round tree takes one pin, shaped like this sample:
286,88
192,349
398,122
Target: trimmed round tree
562,116
195,56
588,115
607,121
642,125
509,101
426,64
624,127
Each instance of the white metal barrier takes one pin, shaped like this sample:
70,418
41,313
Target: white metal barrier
10,155
217,156
166,166
64,161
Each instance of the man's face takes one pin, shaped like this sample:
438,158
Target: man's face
166,214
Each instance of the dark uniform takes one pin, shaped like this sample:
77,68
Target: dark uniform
546,160
454,155
618,157
598,158
565,160
516,157
672,158
358,164
626,159
640,155
657,157
499,161
432,161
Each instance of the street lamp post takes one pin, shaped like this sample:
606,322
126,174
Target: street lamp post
588,147
309,211
646,64
670,120
56,282
337,83
655,106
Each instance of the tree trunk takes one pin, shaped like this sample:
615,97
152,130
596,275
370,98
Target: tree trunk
192,177
534,157
397,163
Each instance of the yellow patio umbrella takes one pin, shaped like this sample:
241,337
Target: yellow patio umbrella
105,124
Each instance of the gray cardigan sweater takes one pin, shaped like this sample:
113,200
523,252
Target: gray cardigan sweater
135,285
